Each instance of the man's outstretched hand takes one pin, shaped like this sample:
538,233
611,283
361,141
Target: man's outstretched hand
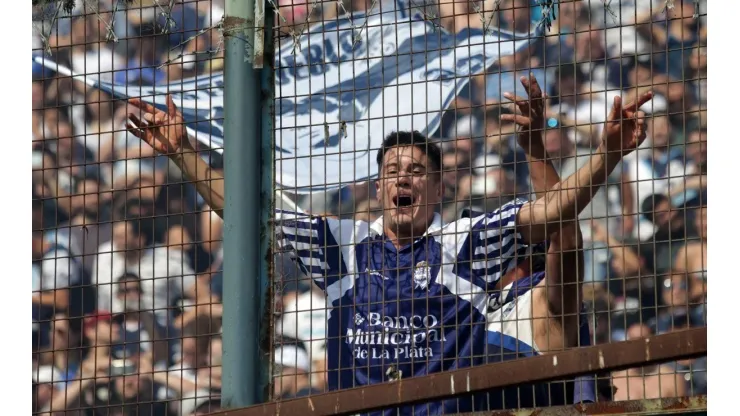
531,115
164,131
626,128
531,110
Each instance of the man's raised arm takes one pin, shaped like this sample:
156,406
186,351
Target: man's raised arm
314,243
625,130
165,132
564,257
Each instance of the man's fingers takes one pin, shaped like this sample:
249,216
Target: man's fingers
136,102
136,127
517,99
171,107
616,112
150,118
641,100
135,122
521,120
532,86
520,102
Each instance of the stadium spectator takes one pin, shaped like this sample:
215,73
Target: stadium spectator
692,257
164,271
653,170
139,321
130,389
650,382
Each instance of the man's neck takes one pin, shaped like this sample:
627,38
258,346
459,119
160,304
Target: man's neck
399,238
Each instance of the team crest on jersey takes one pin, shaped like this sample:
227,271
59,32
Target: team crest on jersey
422,275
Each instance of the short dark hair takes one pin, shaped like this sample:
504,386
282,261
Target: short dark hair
415,139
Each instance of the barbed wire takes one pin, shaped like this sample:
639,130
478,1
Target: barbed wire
295,31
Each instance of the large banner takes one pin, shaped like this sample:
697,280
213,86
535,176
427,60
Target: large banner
340,90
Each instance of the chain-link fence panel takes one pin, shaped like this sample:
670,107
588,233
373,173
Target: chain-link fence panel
479,206
126,254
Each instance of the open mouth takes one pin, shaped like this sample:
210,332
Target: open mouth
402,201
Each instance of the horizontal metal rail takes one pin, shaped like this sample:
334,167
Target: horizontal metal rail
684,405
689,343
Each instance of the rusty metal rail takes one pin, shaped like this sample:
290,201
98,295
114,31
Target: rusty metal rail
682,405
676,345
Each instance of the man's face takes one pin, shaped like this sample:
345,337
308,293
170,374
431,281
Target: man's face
409,189
129,293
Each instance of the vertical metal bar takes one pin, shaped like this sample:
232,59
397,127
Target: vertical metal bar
267,201
243,223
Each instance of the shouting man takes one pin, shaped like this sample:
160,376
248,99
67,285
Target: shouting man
409,294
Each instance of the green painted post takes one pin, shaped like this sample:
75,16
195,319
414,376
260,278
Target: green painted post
246,237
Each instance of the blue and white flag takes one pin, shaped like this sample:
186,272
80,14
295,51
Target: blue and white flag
340,90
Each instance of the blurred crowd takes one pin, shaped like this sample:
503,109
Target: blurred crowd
127,279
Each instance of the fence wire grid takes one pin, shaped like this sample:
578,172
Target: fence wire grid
425,217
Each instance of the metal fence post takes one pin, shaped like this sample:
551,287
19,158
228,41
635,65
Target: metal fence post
267,195
244,227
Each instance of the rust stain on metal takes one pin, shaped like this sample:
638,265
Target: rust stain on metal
647,348
666,347
233,24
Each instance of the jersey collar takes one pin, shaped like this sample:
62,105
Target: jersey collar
376,227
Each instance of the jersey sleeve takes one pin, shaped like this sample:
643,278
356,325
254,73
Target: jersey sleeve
495,244
313,245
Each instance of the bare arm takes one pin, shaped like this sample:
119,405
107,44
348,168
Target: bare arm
624,132
564,263
165,132
628,204
209,182
563,202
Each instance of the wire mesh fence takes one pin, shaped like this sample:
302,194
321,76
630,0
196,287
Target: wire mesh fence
453,188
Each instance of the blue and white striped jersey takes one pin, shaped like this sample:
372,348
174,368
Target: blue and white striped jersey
404,312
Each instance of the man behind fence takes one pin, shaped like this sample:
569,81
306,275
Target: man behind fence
408,293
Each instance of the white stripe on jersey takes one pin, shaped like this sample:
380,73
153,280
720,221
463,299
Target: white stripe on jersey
464,289
346,234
